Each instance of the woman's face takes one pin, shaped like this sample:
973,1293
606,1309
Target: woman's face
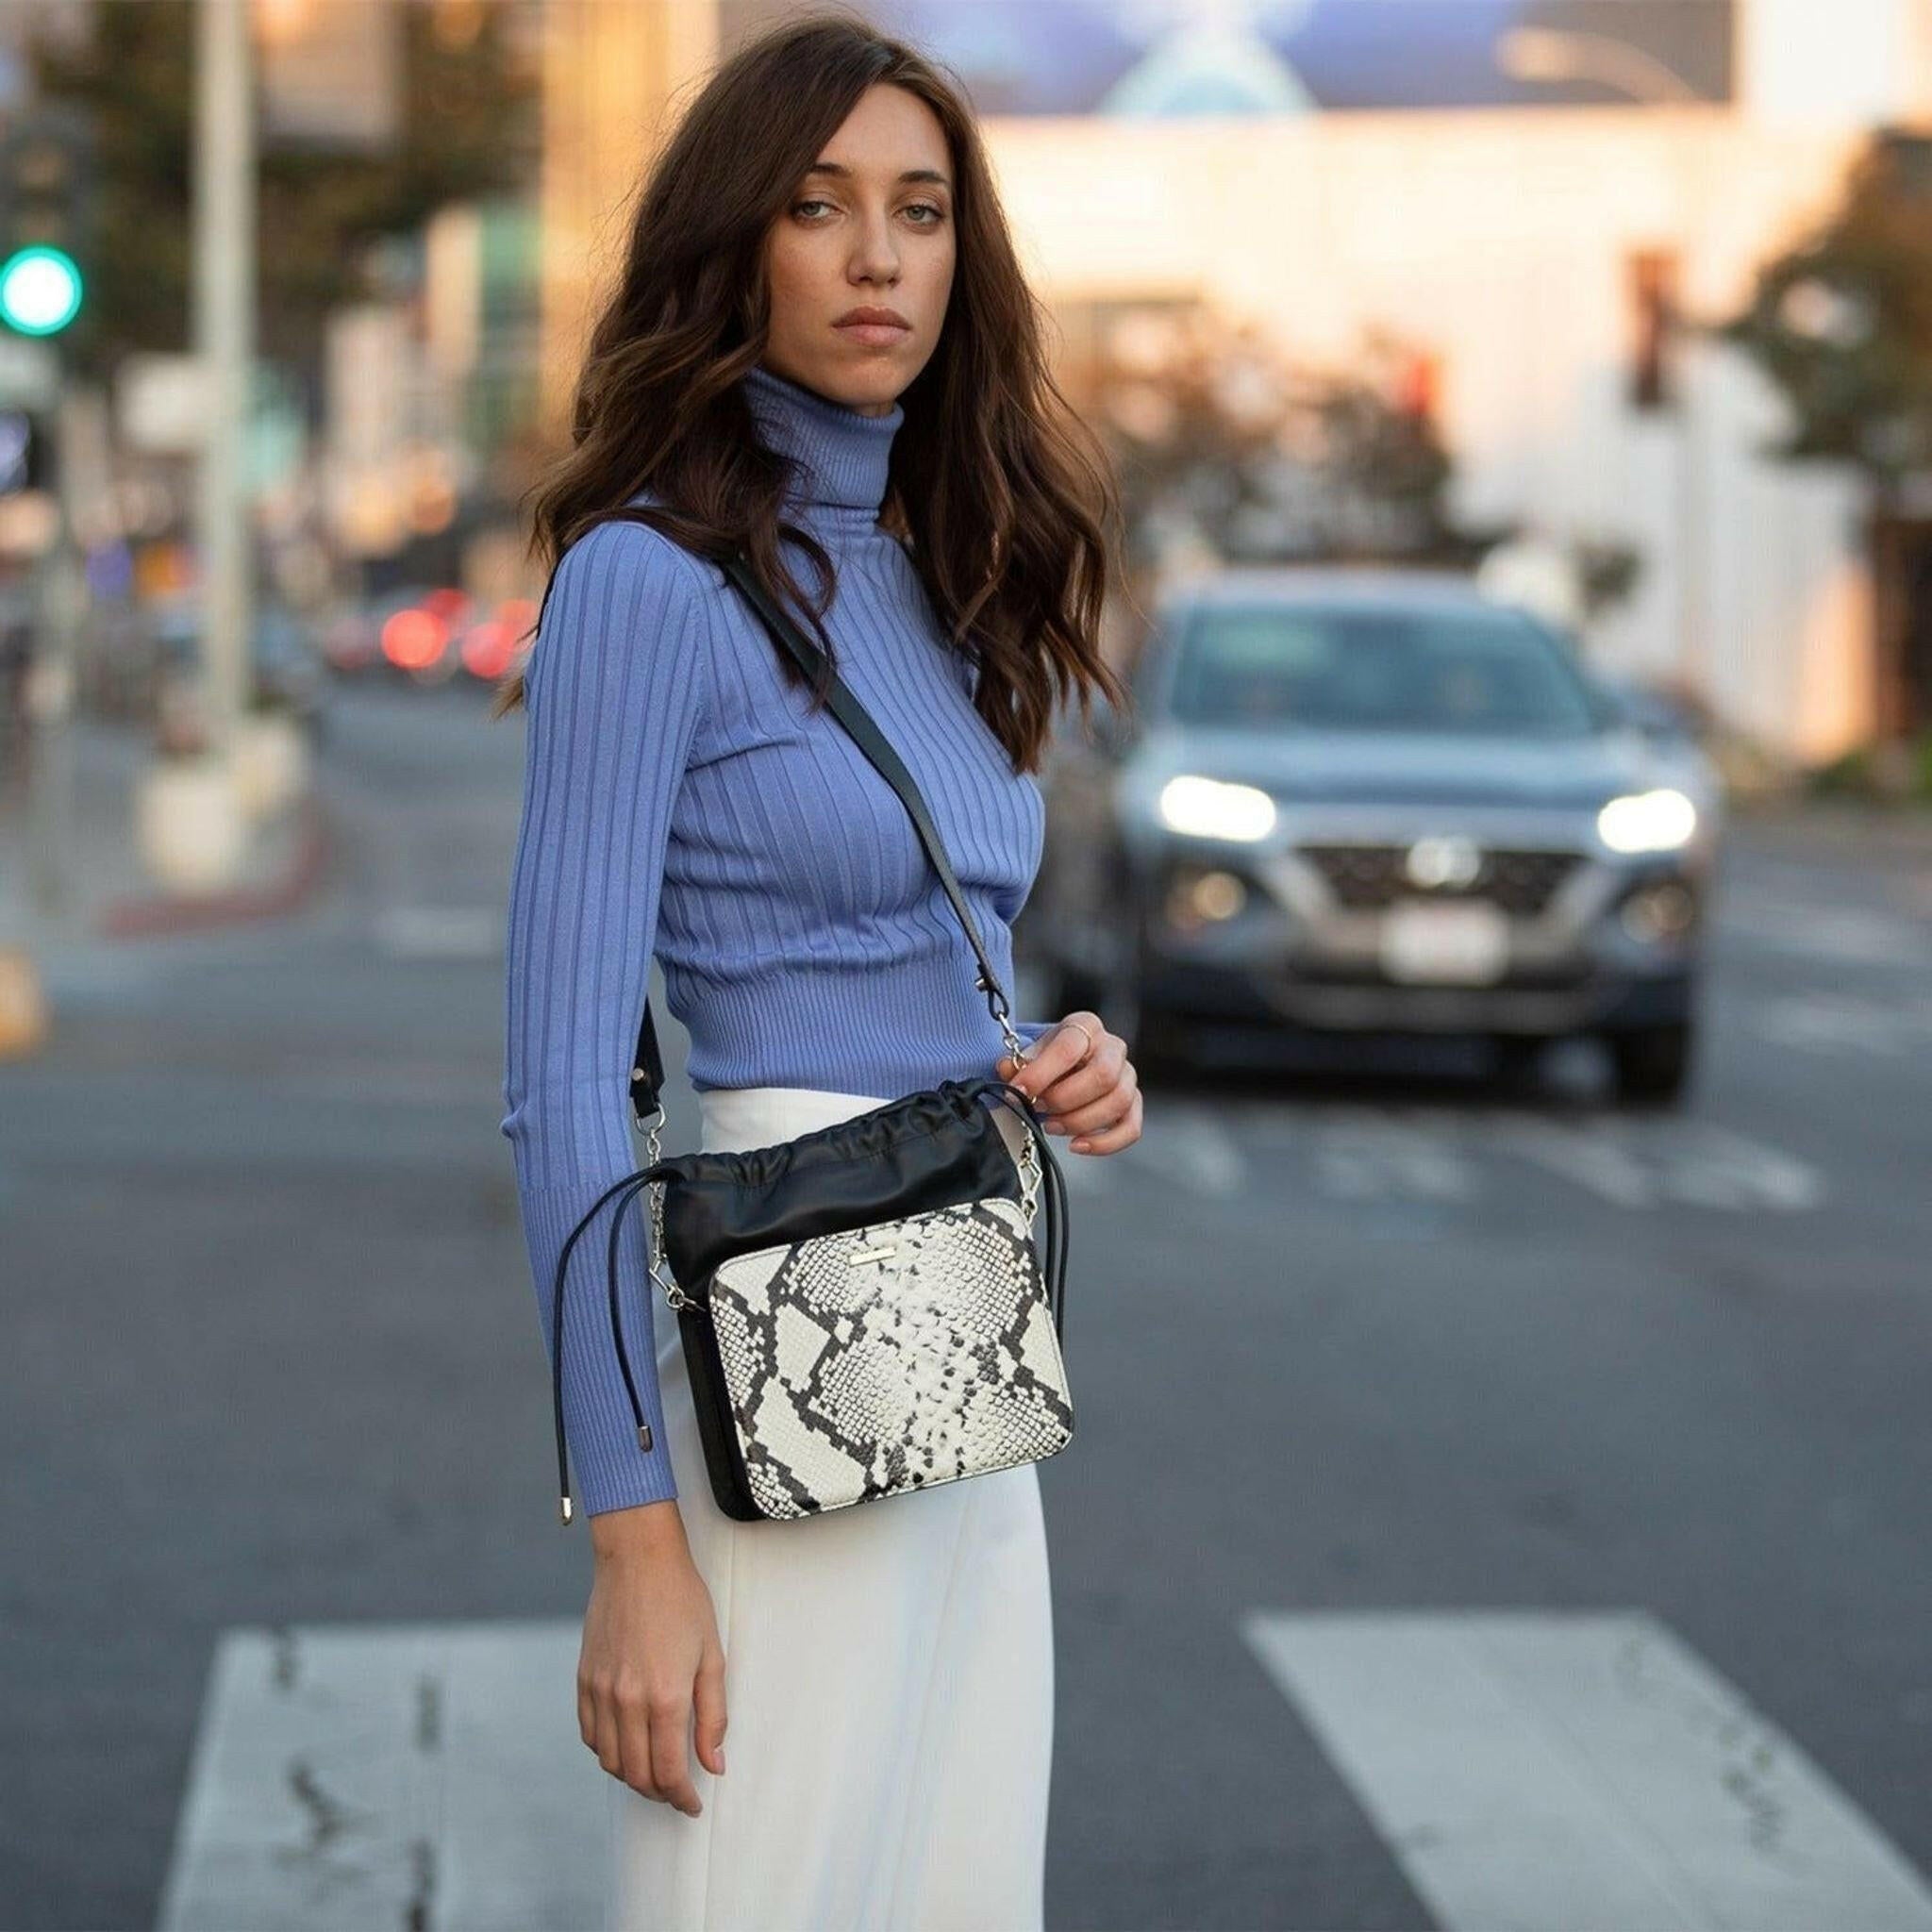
870,228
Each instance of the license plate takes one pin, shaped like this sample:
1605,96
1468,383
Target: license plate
1445,945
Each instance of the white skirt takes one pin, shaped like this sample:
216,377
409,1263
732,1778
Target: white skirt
888,1686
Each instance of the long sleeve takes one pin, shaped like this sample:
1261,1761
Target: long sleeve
615,687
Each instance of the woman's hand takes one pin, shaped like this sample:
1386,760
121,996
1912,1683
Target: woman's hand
651,1656
1079,1076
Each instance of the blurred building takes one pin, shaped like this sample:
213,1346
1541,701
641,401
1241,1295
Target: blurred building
610,68
1541,254
1531,193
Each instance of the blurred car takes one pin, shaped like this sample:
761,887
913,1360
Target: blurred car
1661,715
426,634
1362,801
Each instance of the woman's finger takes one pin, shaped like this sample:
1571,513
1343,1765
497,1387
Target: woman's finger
670,1749
709,1702
1123,1133
1103,1110
631,1711
606,1729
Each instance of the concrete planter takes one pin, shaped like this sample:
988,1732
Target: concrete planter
271,762
189,823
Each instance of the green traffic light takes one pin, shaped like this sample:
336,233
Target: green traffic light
40,291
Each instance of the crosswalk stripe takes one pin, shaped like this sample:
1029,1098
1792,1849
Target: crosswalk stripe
1372,1153
1530,1771
439,932
426,1775
1827,1022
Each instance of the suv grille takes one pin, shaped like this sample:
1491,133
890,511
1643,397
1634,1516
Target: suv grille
1366,878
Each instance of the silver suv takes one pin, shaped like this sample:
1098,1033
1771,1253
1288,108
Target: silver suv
1360,801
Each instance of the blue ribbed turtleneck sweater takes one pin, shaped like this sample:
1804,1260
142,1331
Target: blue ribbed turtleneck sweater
677,800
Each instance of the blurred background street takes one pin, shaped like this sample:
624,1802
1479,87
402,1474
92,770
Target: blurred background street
1501,1492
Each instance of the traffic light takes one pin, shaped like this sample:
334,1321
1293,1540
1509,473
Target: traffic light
47,199
1654,324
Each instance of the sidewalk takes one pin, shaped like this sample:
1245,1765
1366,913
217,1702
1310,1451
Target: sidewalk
106,891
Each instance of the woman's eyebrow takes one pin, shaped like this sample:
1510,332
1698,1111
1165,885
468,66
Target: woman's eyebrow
844,173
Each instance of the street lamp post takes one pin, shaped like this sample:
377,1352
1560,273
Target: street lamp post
1549,55
224,342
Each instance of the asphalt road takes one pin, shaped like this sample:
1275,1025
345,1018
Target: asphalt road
1343,1346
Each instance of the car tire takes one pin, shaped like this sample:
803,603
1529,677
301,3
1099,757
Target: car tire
1652,1064
1519,1059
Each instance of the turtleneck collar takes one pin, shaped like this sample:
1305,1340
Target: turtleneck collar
842,454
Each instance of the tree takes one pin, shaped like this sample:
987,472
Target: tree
1843,326
1219,436
1842,322
468,129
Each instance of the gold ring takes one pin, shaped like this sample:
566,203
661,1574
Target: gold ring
1084,1035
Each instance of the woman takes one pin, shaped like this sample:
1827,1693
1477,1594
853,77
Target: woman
822,348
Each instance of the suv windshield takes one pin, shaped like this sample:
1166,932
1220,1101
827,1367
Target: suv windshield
1363,667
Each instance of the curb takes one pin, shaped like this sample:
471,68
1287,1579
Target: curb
171,912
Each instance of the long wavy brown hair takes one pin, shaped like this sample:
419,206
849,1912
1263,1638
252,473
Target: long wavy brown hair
1005,502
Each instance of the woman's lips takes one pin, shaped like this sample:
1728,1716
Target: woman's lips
877,335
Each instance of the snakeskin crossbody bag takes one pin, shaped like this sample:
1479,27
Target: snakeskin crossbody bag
863,1309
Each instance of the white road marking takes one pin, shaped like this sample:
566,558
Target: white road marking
426,1775
1826,1021
440,932
1846,935
1697,1163
1534,1771
1709,1166
1363,1154
1590,1154
1359,1153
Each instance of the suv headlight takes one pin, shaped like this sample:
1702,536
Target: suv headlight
1647,822
1212,808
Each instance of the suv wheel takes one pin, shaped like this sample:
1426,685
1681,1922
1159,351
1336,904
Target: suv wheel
1652,1063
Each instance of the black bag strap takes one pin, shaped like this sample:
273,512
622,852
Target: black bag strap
647,1066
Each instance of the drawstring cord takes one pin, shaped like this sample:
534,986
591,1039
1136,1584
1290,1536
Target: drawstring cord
643,1177
1053,1198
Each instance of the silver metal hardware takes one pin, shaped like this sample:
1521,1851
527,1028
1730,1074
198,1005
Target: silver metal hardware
860,1255
674,1296
1029,1179
1015,1046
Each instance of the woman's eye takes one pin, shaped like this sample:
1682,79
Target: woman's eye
937,213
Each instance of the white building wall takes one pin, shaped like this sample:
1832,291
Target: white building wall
1502,240
1834,62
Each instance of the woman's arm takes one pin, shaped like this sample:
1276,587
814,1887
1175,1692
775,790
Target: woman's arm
615,686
